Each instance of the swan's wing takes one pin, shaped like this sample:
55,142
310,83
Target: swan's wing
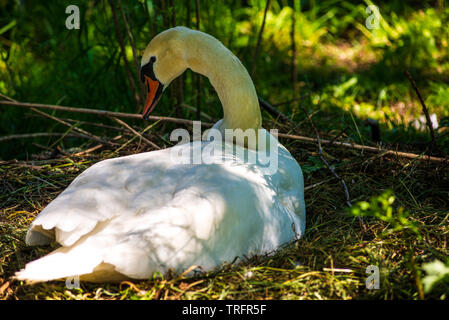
169,214
216,213
144,183
100,193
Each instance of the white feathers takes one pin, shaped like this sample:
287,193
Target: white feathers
131,216
149,214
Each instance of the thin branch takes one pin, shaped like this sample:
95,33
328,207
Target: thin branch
136,133
275,112
8,98
365,148
259,39
208,124
285,102
101,112
41,134
164,14
123,54
320,150
331,169
84,152
99,125
198,77
79,130
191,108
425,110
339,135
133,47
173,14
179,81
81,153
188,19
294,53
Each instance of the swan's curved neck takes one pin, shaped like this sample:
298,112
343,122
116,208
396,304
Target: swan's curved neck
208,56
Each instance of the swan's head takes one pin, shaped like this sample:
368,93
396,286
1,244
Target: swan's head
163,60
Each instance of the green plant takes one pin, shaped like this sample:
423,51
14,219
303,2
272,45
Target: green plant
381,207
436,273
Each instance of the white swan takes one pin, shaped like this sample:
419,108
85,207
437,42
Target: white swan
131,216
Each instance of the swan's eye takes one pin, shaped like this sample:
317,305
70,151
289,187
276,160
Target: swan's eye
148,70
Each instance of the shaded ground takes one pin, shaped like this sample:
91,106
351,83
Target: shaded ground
310,268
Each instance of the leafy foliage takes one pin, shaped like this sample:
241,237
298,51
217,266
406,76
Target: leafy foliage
381,207
437,273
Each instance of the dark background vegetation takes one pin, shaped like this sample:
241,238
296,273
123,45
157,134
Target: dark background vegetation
348,75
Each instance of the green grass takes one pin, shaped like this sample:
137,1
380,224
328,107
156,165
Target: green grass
334,238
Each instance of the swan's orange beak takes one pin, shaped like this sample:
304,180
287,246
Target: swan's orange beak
154,91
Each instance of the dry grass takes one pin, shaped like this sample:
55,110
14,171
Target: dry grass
309,268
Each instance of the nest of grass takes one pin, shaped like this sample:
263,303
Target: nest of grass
329,262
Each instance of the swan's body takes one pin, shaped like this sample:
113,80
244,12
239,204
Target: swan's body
131,216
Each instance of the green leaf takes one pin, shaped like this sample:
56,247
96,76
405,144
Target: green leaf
436,272
8,26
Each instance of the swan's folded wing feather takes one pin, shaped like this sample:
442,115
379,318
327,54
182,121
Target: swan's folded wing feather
100,193
149,212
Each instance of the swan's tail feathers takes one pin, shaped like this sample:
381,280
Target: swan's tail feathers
37,236
59,264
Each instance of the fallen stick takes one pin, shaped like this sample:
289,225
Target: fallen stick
323,159
41,134
259,39
198,76
133,47
81,153
90,135
121,42
425,110
207,124
136,133
103,113
189,107
275,112
365,148
331,169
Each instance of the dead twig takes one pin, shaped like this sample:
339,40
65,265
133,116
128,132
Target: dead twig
87,151
259,39
133,47
136,133
294,61
275,112
191,108
90,135
82,133
434,146
179,81
88,123
41,134
208,124
7,98
331,169
339,135
198,77
323,159
104,113
365,148
123,54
